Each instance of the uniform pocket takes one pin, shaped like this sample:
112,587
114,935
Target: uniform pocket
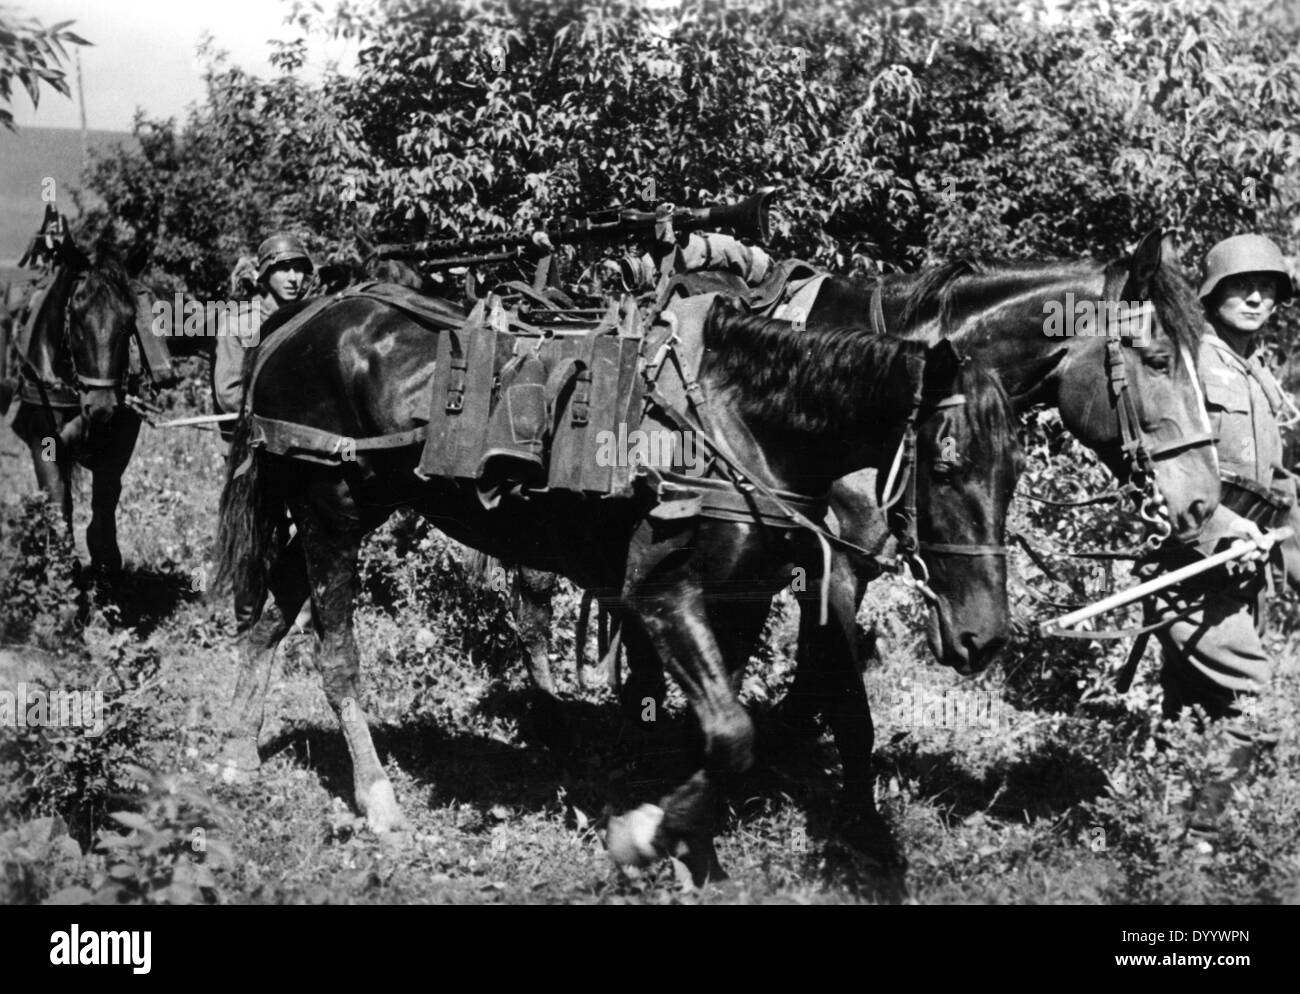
1228,405
1228,398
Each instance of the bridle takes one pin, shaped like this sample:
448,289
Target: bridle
1141,456
903,519
799,510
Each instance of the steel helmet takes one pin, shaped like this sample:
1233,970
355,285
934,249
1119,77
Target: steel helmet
280,247
1245,254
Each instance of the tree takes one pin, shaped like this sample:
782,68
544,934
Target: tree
902,133
32,55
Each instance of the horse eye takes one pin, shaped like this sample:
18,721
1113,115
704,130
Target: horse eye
1160,363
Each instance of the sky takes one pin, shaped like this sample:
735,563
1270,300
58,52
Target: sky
144,54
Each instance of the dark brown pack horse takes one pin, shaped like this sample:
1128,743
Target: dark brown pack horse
73,381
1007,316
798,409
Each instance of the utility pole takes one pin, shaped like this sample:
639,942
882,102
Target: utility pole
81,105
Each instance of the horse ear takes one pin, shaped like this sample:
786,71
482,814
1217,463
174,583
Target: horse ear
1144,265
942,366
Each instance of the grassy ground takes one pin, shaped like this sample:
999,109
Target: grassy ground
1033,783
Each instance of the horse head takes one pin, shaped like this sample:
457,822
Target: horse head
1146,417
966,465
101,316
820,403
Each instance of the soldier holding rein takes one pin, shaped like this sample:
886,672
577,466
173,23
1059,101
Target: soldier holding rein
283,271
1215,657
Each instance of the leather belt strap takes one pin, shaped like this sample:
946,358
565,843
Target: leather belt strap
284,438
723,500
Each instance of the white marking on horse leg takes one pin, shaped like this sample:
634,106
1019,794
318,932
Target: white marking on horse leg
239,761
383,814
630,837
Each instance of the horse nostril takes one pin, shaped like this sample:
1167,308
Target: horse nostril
1197,512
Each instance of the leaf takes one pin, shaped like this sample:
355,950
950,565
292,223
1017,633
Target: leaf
132,819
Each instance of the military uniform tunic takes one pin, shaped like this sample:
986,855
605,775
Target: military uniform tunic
1215,655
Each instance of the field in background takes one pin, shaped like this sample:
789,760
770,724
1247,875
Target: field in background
26,158
1030,783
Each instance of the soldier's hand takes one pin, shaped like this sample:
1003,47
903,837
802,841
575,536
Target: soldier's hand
1243,528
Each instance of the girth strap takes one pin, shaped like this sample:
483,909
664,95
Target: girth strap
284,438
721,499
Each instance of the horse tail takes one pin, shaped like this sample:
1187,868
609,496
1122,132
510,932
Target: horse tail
251,510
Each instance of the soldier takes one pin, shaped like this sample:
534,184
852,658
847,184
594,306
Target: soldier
283,270
1215,658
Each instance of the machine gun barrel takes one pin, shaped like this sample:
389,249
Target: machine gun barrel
748,218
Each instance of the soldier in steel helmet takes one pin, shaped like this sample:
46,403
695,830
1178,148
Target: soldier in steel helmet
283,271
281,278
1215,657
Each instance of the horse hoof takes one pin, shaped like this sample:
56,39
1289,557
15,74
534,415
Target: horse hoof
382,813
630,837
239,761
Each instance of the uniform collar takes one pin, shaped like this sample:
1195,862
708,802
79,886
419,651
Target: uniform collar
1226,351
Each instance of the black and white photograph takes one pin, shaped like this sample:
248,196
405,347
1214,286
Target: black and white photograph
651,452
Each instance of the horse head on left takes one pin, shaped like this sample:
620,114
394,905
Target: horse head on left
80,335
101,317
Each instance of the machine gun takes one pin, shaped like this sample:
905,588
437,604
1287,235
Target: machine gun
747,218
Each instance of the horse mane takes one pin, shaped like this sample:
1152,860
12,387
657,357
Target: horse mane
806,379
1173,299
932,287
989,414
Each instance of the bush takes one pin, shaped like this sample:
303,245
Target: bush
167,852
72,772
39,575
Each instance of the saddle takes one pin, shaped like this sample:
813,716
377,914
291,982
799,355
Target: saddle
787,278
